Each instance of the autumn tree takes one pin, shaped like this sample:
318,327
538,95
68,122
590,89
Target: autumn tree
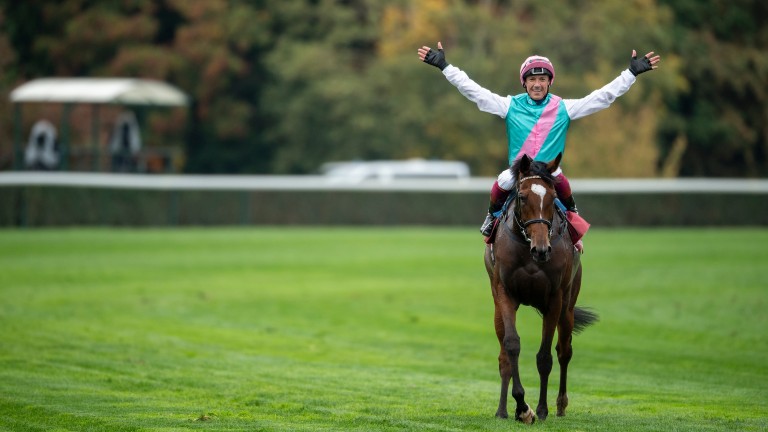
717,124
283,86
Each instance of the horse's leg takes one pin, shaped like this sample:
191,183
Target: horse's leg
505,368
544,356
564,354
564,347
510,344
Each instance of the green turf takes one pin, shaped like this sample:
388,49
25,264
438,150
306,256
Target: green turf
297,329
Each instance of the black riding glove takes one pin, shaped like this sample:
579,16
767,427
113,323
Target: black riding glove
436,58
639,66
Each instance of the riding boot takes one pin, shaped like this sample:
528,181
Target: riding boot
498,198
570,204
487,227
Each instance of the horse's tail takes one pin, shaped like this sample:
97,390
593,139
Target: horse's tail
583,318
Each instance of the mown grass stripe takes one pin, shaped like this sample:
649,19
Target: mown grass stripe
381,329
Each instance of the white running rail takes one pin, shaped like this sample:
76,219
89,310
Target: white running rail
315,182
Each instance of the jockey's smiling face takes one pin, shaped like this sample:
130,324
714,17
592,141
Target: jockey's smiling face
537,86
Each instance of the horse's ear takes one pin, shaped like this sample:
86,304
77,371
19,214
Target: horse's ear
554,164
525,163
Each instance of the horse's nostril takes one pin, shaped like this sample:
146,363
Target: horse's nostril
541,254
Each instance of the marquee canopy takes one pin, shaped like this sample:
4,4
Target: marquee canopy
134,92
124,91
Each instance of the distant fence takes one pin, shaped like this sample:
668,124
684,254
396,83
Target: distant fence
34,199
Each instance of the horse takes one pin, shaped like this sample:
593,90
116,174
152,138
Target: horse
532,261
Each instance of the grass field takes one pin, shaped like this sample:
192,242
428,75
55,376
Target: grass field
367,329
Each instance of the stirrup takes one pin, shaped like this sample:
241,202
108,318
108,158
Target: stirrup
487,227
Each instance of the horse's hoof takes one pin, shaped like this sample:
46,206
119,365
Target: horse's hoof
542,412
562,403
502,414
527,417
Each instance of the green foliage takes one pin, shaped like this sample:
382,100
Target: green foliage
722,114
366,330
281,87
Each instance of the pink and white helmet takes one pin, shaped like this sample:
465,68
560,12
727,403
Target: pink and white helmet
537,65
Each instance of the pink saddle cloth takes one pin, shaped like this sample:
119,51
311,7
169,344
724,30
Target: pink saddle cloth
577,226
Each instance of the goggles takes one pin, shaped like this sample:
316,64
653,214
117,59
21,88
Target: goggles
539,71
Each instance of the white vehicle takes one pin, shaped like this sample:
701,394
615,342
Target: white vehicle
388,170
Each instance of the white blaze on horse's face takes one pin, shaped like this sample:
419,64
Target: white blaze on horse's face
541,191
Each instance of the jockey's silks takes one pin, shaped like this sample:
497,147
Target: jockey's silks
537,129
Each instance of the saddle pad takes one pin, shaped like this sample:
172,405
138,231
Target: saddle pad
577,226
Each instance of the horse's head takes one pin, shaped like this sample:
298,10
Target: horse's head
535,203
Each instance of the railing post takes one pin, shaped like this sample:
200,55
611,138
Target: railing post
65,127
95,164
18,160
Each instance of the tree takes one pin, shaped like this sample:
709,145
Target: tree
717,126
281,87
589,46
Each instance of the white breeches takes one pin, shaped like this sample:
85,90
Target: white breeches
506,181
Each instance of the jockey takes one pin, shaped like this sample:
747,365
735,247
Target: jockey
537,121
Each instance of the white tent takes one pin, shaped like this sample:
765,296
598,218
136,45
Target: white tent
94,91
124,91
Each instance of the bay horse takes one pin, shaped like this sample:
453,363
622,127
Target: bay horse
532,261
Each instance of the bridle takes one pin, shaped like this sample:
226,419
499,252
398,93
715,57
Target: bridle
522,225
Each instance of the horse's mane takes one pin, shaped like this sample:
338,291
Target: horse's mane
537,168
